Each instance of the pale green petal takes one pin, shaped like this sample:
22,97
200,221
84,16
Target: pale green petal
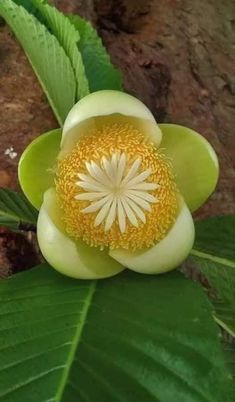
71,258
90,112
168,253
36,166
194,162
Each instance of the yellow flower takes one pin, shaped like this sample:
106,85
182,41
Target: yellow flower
119,190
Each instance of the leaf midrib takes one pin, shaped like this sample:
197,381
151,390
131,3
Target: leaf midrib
213,258
221,321
223,324
75,341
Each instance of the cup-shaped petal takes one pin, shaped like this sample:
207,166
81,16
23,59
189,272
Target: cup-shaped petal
36,166
105,107
166,255
194,162
72,258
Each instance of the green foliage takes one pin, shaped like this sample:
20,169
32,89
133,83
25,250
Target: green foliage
68,38
27,4
15,210
216,236
229,349
66,53
214,254
47,57
100,72
129,338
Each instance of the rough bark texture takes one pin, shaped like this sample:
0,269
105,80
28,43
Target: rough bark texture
177,56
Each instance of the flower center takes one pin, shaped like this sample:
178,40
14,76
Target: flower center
116,190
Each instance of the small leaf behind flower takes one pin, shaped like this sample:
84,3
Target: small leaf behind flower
68,38
100,72
27,4
129,338
82,45
15,210
48,59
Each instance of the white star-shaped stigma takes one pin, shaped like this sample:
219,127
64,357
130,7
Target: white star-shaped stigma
116,191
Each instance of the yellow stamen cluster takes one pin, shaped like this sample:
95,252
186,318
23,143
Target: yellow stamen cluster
105,142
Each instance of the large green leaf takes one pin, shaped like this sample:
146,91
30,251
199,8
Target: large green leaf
99,69
130,338
15,210
216,236
68,37
229,349
214,254
48,59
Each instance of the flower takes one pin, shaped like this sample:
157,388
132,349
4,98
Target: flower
117,189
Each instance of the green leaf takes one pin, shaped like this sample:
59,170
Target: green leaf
68,37
99,69
27,4
37,165
216,236
224,316
229,349
214,254
47,57
15,210
130,338
194,163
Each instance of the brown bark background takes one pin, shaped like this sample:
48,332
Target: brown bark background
178,56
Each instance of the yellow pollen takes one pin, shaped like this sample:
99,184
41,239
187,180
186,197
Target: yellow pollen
103,143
